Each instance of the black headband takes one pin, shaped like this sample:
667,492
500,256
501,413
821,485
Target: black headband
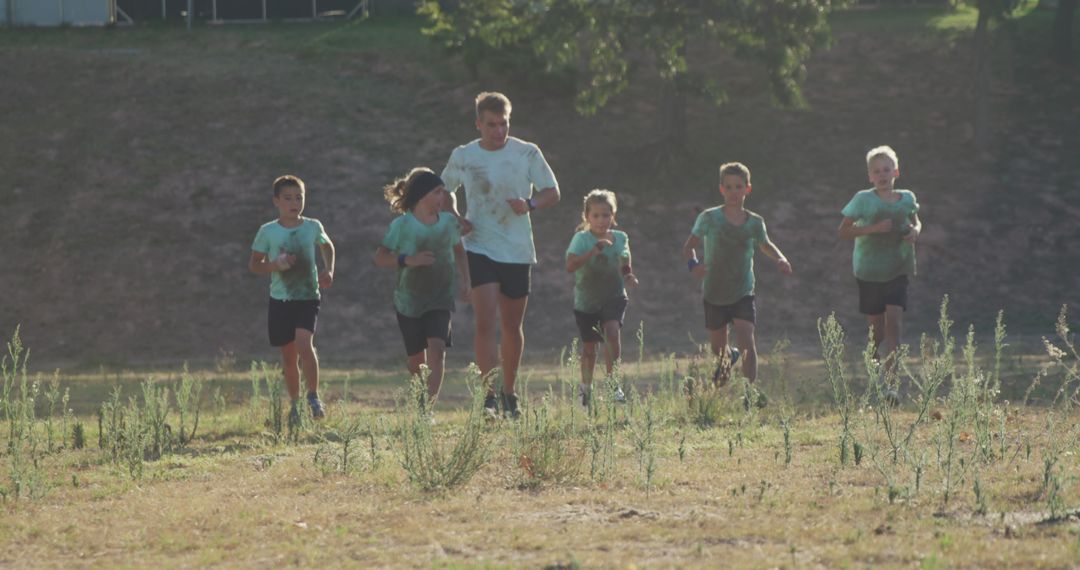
423,183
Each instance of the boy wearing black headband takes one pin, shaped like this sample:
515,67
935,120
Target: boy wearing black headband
285,249
506,179
424,245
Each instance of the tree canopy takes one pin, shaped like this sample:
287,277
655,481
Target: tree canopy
596,39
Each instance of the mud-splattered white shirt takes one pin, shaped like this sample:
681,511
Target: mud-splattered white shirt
490,178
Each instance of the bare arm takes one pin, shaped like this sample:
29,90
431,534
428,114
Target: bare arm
774,253
848,229
329,256
916,229
389,259
259,264
689,253
629,278
541,199
462,262
575,262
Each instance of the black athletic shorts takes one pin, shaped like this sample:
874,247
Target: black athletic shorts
590,325
874,295
284,317
416,330
513,278
719,316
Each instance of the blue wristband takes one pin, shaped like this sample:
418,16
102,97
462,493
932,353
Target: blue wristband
691,264
401,260
531,203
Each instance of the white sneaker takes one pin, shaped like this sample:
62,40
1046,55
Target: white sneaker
619,396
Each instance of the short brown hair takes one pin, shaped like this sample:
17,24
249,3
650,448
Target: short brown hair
492,101
286,181
735,169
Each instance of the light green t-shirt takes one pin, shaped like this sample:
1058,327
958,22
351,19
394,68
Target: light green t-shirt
431,287
729,254
491,178
301,281
882,257
600,280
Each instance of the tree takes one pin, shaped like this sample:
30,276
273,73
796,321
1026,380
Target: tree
989,11
598,40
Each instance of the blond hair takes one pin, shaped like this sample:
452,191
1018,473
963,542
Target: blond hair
883,150
598,196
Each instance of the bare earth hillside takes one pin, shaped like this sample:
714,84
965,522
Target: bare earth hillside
137,165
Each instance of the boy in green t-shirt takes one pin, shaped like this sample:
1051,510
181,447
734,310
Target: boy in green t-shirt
731,233
424,245
285,249
884,223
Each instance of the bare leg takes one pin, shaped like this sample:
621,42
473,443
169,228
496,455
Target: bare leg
485,302
588,362
309,360
718,339
436,358
877,330
893,328
612,331
744,339
290,366
512,317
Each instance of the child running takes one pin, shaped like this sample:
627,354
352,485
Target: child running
285,249
731,233
884,223
599,258
424,244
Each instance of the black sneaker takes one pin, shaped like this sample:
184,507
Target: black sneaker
294,415
491,406
585,393
316,405
510,406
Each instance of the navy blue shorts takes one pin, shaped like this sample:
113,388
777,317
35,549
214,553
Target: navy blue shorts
719,316
284,317
513,278
417,330
590,325
874,295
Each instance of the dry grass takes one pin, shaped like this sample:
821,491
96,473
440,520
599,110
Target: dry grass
232,498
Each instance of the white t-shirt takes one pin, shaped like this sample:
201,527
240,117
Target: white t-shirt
490,178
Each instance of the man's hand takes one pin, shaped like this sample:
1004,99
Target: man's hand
465,226
700,270
631,280
326,279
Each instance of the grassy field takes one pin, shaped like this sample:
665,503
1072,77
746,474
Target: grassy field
975,468
136,162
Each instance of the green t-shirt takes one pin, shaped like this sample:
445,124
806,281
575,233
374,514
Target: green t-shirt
600,280
729,254
882,257
301,281
430,287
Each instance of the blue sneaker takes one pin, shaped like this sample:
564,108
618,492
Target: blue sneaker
316,404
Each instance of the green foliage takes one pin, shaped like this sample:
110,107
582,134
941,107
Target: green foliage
429,463
599,40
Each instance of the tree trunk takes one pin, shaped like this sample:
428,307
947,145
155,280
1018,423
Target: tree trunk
1062,50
